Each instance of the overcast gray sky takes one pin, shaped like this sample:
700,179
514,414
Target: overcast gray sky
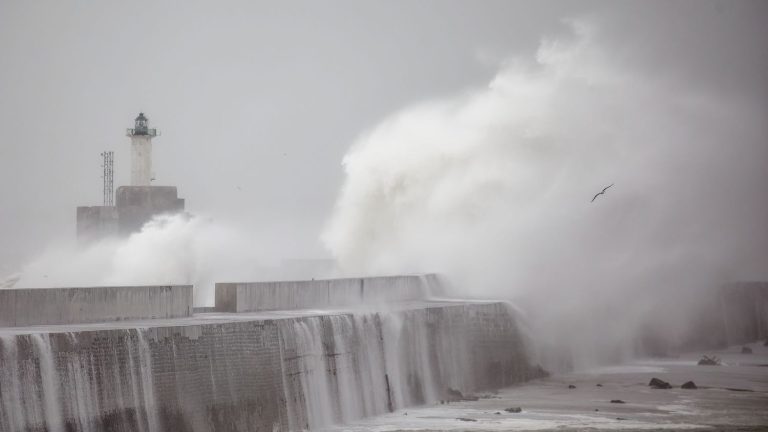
258,101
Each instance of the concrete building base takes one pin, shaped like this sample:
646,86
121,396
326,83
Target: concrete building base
135,206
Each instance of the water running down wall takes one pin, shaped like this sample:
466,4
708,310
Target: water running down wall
48,381
286,373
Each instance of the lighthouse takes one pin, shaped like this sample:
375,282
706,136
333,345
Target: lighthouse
135,204
141,151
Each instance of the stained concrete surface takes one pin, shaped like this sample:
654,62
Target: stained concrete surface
731,397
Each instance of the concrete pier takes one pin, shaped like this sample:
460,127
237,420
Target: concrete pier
355,348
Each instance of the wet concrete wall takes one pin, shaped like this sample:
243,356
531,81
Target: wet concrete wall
288,373
285,295
41,306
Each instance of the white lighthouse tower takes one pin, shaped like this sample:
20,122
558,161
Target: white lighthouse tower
141,151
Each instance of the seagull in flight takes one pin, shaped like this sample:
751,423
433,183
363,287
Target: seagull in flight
601,192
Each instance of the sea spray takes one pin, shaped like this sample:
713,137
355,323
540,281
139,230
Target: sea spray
170,249
492,189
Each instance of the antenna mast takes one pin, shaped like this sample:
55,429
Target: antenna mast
108,177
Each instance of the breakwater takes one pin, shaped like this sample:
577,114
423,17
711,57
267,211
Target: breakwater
260,371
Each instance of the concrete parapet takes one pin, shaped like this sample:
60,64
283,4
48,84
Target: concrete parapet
43,306
327,293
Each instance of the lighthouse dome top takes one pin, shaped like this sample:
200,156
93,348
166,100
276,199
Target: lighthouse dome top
141,127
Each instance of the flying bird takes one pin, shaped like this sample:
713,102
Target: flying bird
601,192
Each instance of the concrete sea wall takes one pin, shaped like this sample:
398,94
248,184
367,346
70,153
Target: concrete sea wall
327,293
43,306
261,372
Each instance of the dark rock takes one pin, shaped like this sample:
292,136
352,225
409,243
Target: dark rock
620,418
690,385
571,386
535,372
709,361
514,410
617,401
455,396
497,412
746,350
466,419
659,384
597,409
598,385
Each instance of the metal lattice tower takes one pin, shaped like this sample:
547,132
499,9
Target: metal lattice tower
108,177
